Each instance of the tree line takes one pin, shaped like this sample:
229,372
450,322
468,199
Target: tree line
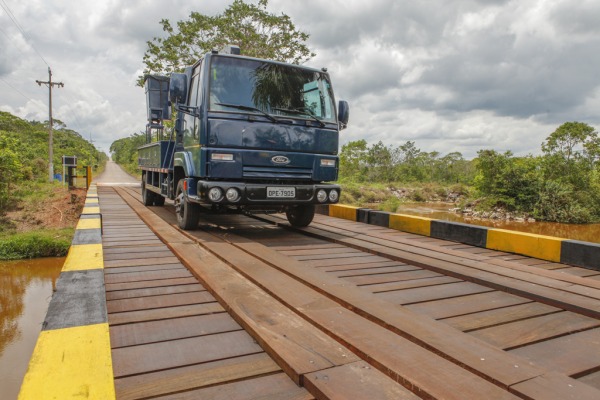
24,155
561,184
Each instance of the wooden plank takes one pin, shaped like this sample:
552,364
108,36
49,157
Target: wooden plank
355,254
572,355
162,301
592,379
142,268
163,355
498,316
134,249
149,284
372,280
131,293
351,267
137,256
345,261
341,383
146,276
171,329
277,386
466,304
554,386
140,262
418,295
332,249
375,271
519,333
194,376
412,283
164,313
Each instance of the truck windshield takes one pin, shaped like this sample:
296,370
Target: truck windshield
252,86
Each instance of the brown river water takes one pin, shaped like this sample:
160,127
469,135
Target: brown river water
587,232
25,291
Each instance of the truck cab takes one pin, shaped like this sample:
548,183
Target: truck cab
250,135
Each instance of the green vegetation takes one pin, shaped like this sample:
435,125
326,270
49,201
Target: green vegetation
47,243
124,152
36,216
257,32
561,185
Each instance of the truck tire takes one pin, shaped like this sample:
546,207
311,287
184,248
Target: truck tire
300,216
159,200
187,213
147,196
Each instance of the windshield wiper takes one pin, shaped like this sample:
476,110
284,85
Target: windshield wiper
301,111
247,108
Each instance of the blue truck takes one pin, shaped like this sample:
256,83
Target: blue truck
249,135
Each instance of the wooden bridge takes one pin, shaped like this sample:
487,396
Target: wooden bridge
249,308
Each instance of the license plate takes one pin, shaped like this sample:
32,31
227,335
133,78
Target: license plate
281,192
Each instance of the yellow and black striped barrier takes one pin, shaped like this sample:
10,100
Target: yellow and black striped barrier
572,252
72,357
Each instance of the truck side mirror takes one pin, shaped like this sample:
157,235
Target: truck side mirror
343,114
178,88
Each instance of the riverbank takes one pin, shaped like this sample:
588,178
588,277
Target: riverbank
40,222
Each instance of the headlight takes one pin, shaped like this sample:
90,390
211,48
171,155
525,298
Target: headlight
221,157
232,195
334,196
327,162
215,194
322,196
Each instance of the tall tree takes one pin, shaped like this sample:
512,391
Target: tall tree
258,33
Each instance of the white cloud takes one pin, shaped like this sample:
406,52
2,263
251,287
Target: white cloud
452,76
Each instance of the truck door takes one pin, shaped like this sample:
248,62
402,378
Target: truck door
190,121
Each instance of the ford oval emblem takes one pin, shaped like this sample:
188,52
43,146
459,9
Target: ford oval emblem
280,160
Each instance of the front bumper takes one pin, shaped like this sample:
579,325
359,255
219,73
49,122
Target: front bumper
256,194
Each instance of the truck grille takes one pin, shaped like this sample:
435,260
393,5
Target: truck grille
276,173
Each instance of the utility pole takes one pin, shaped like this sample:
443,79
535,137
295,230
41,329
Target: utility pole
50,84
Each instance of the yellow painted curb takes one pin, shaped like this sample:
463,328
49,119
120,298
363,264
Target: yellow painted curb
90,201
91,210
528,244
88,223
84,256
70,363
342,211
411,224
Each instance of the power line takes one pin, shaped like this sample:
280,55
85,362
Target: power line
12,17
21,93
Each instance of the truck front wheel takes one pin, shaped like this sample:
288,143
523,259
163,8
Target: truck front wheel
187,213
300,216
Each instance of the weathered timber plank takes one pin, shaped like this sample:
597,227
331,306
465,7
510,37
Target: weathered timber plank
194,376
161,301
573,354
498,316
341,383
163,355
466,304
171,329
277,386
519,333
164,313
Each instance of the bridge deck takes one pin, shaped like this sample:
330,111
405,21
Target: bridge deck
335,310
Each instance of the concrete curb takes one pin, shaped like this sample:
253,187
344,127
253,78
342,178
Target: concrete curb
72,357
572,252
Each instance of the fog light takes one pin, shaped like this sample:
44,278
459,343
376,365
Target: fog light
333,196
321,196
215,194
232,195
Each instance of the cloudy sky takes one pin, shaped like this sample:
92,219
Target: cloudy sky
451,75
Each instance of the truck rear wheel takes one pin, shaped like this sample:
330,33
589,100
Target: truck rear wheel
300,216
148,197
187,213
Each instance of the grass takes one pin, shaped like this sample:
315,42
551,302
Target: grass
47,243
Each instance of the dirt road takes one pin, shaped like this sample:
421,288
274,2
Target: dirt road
114,175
